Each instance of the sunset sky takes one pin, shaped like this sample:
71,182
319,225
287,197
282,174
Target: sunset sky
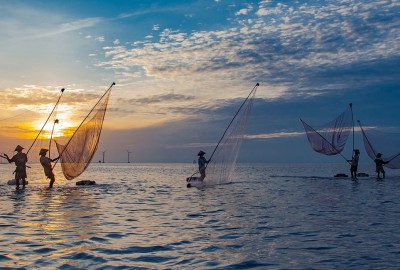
182,68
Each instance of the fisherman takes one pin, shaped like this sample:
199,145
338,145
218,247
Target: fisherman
46,163
379,165
202,164
20,159
354,163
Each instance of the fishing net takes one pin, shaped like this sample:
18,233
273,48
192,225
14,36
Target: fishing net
222,165
330,139
76,154
388,144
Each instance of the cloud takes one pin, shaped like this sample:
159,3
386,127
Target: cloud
75,25
31,26
244,11
274,135
188,75
161,98
45,47
100,39
276,44
191,145
39,101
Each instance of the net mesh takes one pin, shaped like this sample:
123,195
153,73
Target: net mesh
388,144
221,168
330,139
76,154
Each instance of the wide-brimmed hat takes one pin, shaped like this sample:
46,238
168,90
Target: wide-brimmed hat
19,148
43,151
356,151
379,155
201,153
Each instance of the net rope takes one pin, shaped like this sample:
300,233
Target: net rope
221,168
386,143
77,153
330,138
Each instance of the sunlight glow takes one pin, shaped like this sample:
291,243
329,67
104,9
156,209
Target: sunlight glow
55,128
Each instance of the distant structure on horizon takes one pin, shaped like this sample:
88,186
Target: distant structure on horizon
104,153
129,161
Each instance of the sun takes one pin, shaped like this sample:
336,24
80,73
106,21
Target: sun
56,127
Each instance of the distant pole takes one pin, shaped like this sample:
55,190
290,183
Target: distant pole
104,153
129,161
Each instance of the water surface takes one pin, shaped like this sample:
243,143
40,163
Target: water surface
142,216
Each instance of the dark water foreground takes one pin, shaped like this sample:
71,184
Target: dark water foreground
144,217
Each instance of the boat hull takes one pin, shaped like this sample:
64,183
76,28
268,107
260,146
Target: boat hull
194,181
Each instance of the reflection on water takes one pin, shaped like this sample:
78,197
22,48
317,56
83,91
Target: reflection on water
143,216
42,223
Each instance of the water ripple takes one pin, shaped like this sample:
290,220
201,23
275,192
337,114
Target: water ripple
142,216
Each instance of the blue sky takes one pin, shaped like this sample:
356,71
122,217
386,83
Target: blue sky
183,67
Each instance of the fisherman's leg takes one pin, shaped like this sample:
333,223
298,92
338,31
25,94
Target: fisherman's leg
23,183
202,175
16,183
355,172
52,180
383,172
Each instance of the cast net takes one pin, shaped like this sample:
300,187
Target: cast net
221,168
386,143
76,154
330,139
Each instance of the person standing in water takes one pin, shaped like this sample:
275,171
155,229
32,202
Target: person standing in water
354,163
202,164
46,163
379,165
20,159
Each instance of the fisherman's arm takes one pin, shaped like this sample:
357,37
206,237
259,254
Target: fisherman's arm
6,157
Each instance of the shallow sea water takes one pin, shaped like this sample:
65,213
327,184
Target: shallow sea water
142,216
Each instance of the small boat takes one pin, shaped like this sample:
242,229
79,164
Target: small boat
194,181
86,183
341,175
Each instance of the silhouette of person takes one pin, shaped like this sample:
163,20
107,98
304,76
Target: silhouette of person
20,159
46,163
202,164
354,163
379,165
